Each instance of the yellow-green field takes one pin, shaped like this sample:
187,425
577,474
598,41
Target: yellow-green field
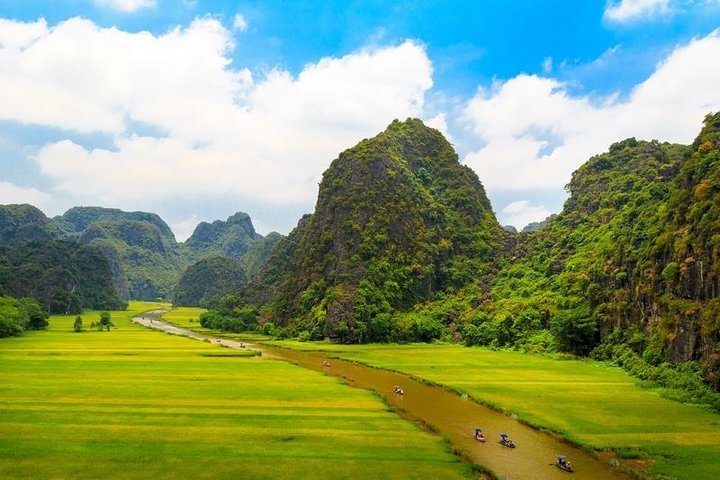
189,317
135,403
594,404
186,317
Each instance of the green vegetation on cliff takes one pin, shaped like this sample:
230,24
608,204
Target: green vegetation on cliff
64,276
403,246
633,260
230,238
397,221
208,279
139,246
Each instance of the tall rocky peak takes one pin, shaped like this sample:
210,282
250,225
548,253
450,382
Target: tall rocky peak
231,238
397,219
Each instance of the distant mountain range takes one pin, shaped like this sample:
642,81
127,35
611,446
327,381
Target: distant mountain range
140,252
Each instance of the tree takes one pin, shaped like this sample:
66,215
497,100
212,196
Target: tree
36,318
575,330
77,326
105,321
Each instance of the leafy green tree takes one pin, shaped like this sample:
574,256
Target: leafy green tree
575,330
78,324
105,321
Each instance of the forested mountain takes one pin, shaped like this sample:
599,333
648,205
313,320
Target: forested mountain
230,238
633,259
397,220
258,253
145,260
21,223
209,279
139,246
403,245
64,276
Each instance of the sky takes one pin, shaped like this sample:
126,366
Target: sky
198,109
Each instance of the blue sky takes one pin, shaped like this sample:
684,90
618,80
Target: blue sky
100,93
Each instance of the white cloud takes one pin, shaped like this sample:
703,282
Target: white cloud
224,132
532,133
632,10
10,193
240,22
185,227
16,35
521,213
126,5
547,65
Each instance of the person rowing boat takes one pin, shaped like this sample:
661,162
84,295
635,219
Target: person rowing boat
563,464
504,440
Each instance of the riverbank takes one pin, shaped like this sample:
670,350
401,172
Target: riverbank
593,404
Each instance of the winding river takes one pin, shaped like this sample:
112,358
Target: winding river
444,412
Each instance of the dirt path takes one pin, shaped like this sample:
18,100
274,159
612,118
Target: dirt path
442,411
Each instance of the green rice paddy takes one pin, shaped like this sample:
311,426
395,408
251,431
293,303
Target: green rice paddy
135,403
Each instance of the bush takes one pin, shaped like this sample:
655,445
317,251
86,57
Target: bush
9,327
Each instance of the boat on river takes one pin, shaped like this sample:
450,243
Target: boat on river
562,463
504,440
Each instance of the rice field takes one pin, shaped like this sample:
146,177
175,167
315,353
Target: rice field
136,403
591,403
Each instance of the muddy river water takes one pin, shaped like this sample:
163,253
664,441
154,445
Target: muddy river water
445,412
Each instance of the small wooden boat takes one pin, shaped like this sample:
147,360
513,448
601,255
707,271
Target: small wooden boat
562,463
504,440
479,435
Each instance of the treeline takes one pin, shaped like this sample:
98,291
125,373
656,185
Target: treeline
20,314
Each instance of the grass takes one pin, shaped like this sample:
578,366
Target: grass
135,403
593,404
186,317
189,317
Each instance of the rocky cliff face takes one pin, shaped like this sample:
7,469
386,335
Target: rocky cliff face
64,276
231,238
140,247
397,219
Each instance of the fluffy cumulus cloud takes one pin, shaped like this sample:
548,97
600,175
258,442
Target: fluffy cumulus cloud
10,193
531,133
126,5
632,10
216,129
521,212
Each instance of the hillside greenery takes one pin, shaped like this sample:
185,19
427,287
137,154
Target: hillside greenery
398,221
139,246
63,276
403,246
230,238
208,279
